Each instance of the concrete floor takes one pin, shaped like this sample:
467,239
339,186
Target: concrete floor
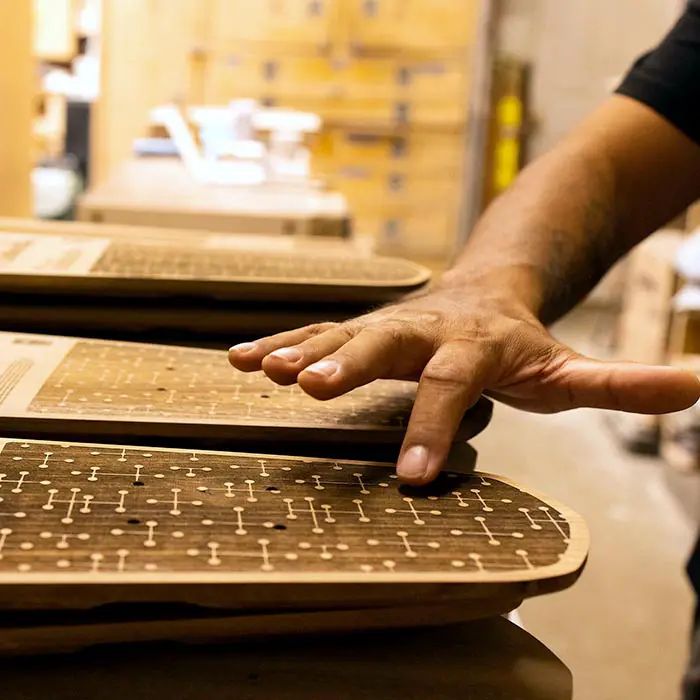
623,629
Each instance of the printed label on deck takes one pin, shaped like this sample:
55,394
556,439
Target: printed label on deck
28,253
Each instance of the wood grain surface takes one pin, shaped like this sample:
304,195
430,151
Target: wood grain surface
51,386
77,515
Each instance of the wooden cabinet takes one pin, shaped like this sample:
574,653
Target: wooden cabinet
361,26
391,79
354,91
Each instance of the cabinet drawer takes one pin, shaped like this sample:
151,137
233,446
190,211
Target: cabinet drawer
417,152
406,80
375,93
238,75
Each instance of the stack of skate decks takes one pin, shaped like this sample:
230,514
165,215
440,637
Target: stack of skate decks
300,526
202,289
489,659
110,544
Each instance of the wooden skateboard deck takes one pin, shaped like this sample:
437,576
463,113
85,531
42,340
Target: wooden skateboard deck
40,632
484,660
212,266
68,388
83,525
224,323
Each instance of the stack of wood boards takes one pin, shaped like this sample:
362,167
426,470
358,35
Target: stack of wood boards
199,289
125,516
489,659
208,544
391,79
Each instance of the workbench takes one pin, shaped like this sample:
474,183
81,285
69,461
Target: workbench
161,192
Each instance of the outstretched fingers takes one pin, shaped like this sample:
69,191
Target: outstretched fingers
248,357
283,365
376,352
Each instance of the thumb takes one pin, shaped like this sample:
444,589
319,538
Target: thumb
622,386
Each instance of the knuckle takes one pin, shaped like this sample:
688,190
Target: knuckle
390,332
317,328
445,376
327,333
411,333
344,332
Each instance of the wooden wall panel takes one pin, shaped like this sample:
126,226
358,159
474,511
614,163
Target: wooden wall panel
55,29
124,101
146,52
17,93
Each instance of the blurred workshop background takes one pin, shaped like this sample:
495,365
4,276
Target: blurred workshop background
392,123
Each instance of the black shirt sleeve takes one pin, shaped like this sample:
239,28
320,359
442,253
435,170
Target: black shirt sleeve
667,79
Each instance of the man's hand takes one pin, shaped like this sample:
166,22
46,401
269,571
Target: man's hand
537,251
460,342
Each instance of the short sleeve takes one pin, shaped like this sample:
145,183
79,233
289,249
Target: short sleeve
667,79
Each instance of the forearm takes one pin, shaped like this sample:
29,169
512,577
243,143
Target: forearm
552,236
573,213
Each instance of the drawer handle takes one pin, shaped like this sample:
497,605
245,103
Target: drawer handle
316,8
270,70
401,113
370,7
398,148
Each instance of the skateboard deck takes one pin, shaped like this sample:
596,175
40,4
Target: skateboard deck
154,319
69,388
44,632
484,660
83,525
223,267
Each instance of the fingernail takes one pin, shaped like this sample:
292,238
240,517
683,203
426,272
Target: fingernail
288,354
414,463
327,368
244,347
